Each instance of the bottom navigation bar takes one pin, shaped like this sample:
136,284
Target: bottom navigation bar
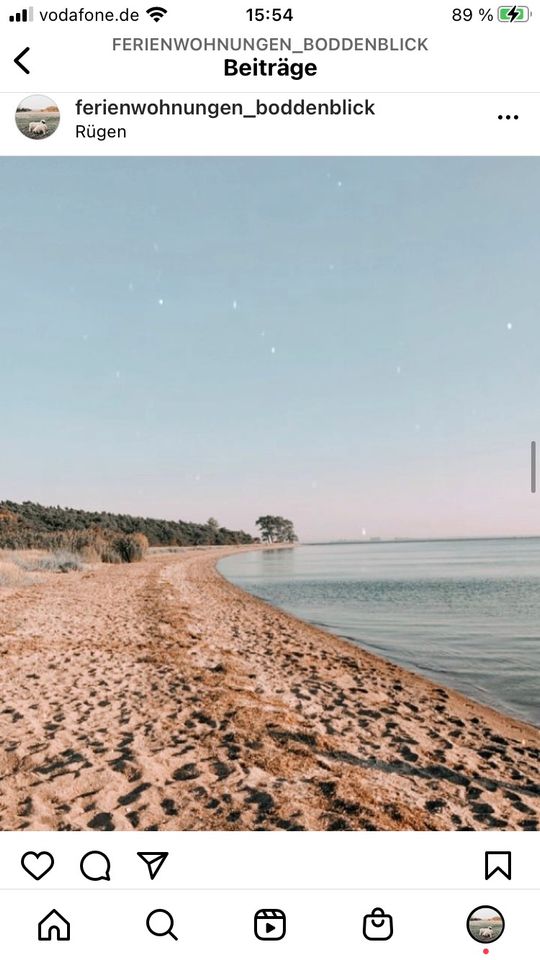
308,923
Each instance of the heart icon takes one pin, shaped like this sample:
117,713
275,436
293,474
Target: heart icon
37,864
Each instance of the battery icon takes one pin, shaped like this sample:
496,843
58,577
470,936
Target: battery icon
513,14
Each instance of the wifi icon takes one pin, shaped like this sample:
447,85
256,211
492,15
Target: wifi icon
157,13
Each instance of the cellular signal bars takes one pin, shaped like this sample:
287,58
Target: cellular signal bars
25,16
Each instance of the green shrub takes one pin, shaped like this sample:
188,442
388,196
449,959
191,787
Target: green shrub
110,555
131,547
88,544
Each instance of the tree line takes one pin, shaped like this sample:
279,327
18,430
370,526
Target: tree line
32,526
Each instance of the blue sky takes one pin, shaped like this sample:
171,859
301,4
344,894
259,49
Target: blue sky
352,343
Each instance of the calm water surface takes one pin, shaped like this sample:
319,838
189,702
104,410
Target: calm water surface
465,613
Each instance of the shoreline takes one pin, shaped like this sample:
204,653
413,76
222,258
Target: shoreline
357,645
159,695
363,645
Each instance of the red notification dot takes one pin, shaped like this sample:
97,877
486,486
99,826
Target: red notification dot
485,951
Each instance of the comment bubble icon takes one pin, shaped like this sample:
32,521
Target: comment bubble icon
96,865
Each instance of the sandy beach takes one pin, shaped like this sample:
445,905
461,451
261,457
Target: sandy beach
158,696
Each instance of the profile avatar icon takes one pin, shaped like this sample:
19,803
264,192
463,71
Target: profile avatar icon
485,924
37,117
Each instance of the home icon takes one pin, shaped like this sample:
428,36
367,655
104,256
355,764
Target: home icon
53,927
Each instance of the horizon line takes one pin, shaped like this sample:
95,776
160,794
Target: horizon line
371,541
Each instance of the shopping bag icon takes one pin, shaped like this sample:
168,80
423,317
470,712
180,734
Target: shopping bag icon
378,925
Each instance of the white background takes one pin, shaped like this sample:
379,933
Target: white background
475,56
320,924
421,124
279,859
213,883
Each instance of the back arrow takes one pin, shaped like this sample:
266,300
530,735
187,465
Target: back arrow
19,57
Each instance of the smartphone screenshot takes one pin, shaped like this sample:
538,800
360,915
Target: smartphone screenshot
269,520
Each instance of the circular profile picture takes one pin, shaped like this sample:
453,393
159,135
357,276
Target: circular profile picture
37,117
485,924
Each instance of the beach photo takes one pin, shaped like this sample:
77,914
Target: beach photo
269,529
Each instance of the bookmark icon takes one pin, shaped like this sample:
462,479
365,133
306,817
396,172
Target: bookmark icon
498,861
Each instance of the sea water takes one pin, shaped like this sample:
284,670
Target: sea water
465,613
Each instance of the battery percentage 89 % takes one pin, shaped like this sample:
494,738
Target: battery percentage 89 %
465,14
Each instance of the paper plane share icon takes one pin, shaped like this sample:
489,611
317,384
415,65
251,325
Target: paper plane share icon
154,862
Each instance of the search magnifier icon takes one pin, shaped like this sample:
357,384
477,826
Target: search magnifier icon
160,923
